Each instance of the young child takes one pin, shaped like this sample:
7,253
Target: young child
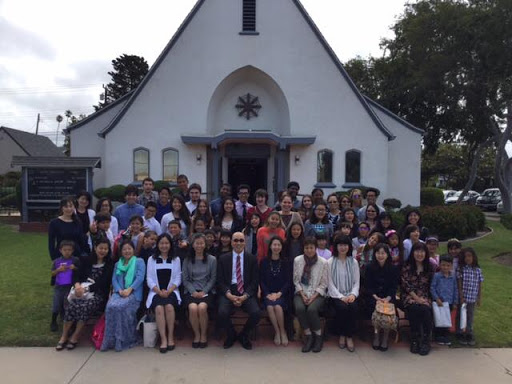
250,231
148,245
179,240
294,244
345,229
198,226
224,243
134,232
65,270
321,246
150,222
454,246
444,290
362,236
100,229
470,278
396,248
432,245
365,255
411,237
211,243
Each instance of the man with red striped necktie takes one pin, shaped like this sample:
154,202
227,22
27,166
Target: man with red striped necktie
237,281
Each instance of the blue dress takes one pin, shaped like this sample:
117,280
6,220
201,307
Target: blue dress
276,276
121,312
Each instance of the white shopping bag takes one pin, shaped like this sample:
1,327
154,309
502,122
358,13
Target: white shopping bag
149,332
463,317
442,315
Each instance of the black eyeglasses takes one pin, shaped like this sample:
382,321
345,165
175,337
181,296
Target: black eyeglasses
238,240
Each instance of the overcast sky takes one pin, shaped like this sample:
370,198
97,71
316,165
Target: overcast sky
55,54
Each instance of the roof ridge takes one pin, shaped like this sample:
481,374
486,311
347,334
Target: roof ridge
153,68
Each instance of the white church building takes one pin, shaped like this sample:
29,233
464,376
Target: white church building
249,91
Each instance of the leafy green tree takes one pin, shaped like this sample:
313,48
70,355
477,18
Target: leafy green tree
447,70
129,70
70,120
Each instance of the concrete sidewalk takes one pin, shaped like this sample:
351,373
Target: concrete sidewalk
264,364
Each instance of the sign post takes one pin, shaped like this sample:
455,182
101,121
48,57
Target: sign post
46,180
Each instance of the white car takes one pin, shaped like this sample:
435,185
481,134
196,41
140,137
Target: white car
448,193
470,198
499,207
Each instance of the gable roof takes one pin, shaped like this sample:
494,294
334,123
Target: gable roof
33,145
96,114
315,30
395,117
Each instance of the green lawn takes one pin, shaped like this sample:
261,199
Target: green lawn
26,293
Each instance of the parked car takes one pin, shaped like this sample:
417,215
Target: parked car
499,207
448,193
489,199
469,199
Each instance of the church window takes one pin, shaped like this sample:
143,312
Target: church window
353,166
140,164
324,166
170,165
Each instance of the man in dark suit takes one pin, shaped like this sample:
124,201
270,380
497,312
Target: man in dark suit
237,280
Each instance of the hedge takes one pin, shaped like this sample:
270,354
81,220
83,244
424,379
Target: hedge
114,193
506,220
460,221
431,197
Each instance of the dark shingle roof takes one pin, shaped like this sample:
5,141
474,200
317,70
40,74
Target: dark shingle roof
33,145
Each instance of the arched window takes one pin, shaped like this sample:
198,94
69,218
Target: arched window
170,165
324,166
353,166
140,164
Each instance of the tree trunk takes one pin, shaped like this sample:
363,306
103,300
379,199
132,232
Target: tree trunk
474,168
501,166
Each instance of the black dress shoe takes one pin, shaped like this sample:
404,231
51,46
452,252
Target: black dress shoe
195,345
317,345
171,347
230,340
244,340
163,349
203,345
308,343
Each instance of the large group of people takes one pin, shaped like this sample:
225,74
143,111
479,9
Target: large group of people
311,258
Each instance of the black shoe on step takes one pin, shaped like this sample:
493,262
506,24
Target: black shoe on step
230,340
317,345
308,343
244,340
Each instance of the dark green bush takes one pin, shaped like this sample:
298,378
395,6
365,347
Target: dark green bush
116,192
159,184
506,220
453,221
391,204
431,197
398,219
100,193
8,200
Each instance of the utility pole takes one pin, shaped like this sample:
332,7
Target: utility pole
37,124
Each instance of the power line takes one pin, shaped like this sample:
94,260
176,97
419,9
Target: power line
51,89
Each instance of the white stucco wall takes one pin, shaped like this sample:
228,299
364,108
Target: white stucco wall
175,101
8,149
404,176
86,142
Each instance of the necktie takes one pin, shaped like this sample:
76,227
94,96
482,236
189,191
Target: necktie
239,281
244,212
